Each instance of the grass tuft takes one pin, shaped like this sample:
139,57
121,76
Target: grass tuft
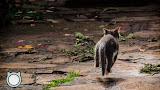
83,48
150,68
153,39
131,36
72,74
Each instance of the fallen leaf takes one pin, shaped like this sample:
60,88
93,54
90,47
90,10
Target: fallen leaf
65,28
26,47
51,20
109,9
40,44
101,26
32,25
142,50
21,47
27,17
68,34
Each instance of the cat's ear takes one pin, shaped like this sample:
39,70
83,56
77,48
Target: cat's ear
105,30
117,29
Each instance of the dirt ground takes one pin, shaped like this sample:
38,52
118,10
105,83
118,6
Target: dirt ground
49,38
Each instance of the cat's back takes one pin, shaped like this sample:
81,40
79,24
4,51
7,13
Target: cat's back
108,39
108,42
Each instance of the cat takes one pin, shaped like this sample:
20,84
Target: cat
107,49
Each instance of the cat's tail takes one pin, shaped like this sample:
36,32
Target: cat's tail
102,58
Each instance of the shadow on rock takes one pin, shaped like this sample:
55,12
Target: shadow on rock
109,82
54,72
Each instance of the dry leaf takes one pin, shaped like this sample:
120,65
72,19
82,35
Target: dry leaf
40,44
32,25
26,47
51,20
142,50
20,47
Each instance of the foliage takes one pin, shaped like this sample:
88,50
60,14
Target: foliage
83,48
7,12
10,14
33,14
122,38
150,68
131,36
72,74
109,9
26,10
43,58
153,39
29,50
81,36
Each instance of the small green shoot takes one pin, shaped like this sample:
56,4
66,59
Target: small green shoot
153,39
131,36
101,26
30,50
43,58
109,9
79,35
122,38
131,43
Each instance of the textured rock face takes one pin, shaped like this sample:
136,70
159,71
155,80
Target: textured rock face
49,38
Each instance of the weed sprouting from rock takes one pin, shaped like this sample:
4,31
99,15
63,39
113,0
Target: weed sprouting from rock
150,68
72,74
83,48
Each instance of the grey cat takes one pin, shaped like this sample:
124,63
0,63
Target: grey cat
107,49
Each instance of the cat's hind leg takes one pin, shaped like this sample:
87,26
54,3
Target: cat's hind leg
96,57
102,58
110,62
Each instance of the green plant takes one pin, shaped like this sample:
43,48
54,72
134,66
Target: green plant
10,14
30,50
150,68
131,36
33,14
60,15
109,9
122,34
43,58
26,10
122,38
83,48
72,74
79,35
131,43
153,39
157,65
